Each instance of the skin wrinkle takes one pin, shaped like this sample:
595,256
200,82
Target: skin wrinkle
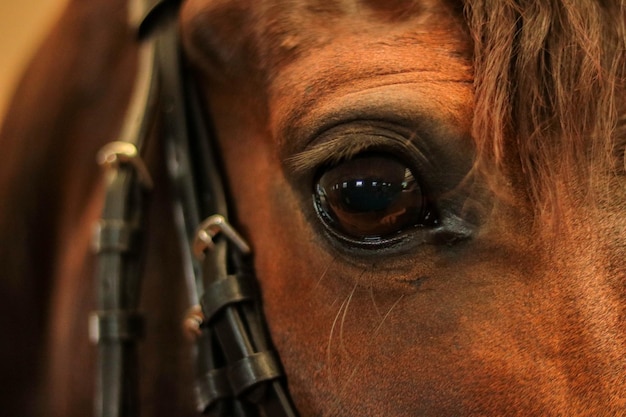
320,86
297,125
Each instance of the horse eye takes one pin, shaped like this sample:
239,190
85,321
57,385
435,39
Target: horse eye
370,197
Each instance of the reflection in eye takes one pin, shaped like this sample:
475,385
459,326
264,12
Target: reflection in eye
369,197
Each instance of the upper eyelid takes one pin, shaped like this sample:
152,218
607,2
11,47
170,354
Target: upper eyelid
343,146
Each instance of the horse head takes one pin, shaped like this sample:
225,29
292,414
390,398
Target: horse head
434,193
499,291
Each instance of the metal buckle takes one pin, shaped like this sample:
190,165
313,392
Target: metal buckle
115,153
210,228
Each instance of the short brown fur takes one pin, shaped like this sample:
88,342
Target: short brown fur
516,320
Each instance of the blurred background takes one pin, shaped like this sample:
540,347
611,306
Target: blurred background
23,25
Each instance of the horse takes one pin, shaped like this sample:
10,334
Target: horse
434,191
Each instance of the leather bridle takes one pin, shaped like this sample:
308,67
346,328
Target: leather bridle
238,373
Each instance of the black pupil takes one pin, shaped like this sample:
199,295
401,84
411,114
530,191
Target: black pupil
369,196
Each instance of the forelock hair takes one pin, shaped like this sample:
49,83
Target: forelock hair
549,86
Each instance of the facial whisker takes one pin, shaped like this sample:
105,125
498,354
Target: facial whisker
330,341
374,302
343,321
356,367
319,281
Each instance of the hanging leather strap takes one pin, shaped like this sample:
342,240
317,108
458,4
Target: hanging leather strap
239,373
117,325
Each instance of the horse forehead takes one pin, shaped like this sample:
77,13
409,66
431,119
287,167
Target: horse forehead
390,10
268,34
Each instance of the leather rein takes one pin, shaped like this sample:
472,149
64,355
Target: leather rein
237,371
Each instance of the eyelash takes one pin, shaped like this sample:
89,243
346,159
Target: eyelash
339,143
